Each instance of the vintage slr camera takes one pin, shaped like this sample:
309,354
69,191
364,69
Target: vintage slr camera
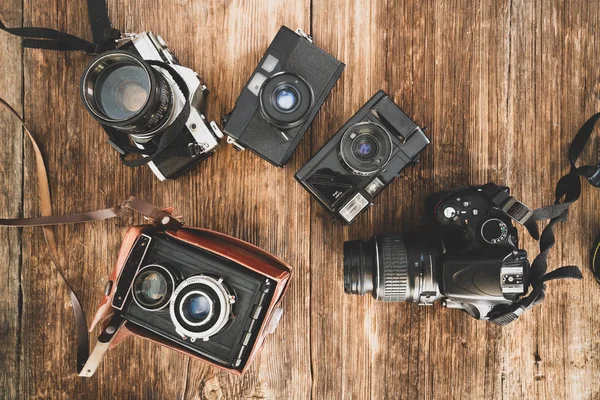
473,263
282,97
139,94
362,158
203,293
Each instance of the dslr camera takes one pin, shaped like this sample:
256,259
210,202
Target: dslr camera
362,158
150,105
472,263
282,97
200,292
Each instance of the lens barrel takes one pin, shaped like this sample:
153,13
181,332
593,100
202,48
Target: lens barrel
121,90
365,148
393,267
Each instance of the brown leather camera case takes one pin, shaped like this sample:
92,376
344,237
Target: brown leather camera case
223,245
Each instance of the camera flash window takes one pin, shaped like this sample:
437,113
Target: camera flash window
256,83
353,207
270,63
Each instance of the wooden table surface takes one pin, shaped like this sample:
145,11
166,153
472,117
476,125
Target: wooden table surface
502,87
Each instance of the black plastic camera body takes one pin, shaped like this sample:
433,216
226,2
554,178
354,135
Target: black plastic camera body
362,158
481,266
470,262
282,97
193,298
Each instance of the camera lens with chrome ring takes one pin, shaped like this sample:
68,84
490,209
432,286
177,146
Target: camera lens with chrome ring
152,287
123,91
365,148
201,307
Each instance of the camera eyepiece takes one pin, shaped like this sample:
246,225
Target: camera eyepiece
365,148
123,91
391,267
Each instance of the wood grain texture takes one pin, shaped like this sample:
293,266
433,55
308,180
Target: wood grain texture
502,87
11,203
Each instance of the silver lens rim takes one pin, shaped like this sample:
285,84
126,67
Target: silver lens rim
182,313
223,296
93,71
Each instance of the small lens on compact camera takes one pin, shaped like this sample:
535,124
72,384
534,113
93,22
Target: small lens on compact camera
153,287
286,100
201,307
121,90
365,148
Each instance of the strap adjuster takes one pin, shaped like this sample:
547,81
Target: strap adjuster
594,180
516,210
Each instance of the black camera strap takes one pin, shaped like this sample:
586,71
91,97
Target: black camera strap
160,218
104,35
105,38
568,191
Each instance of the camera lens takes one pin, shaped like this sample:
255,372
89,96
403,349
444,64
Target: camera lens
152,287
365,148
391,267
122,91
201,307
285,100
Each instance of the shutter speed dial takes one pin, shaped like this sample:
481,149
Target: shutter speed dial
494,231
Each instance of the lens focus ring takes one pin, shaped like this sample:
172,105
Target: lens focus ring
393,274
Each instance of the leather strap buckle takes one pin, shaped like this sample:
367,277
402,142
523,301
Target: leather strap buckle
594,180
516,210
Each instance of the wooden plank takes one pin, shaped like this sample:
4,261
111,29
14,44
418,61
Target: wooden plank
11,203
234,193
502,86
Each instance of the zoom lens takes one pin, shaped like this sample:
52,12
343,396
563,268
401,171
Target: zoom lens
285,100
152,287
201,307
122,91
365,148
391,267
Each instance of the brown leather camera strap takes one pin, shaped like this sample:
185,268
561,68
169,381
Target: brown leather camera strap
161,217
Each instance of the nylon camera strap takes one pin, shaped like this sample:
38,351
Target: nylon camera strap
568,191
104,35
47,220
